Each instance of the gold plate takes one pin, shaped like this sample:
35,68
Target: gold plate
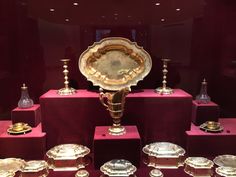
225,161
115,63
226,171
163,155
67,157
118,167
6,173
211,126
19,128
12,164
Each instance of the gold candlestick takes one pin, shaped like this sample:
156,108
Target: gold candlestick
164,90
66,90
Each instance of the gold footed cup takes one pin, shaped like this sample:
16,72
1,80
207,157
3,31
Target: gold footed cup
115,105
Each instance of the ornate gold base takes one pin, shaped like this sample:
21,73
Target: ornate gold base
117,130
164,91
66,91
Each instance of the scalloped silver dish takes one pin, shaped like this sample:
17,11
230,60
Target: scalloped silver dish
225,160
67,157
115,63
118,167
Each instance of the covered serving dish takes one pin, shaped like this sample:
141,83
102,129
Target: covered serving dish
35,168
164,155
67,157
13,165
4,173
198,166
118,167
226,160
225,172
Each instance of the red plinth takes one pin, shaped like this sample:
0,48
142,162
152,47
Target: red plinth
28,146
205,112
107,147
200,143
32,115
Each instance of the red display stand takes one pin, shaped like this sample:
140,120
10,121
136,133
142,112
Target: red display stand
200,143
31,116
107,147
27,146
205,112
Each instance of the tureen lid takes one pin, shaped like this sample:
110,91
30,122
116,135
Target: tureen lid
35,166
225,160
226,171
12,164
199,162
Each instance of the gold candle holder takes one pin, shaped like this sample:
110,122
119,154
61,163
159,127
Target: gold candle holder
164,90
66,90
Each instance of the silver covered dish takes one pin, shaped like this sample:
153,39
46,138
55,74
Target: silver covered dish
225,160
33,168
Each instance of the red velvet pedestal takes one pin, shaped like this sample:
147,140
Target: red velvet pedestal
107,147
31,116
204,112
28,146
200,143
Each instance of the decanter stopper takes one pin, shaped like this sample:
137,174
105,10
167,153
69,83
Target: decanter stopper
25,101
203,98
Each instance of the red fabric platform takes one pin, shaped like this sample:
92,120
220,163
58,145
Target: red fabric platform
27,146
72,119
205,112
32,115
212,144
107,147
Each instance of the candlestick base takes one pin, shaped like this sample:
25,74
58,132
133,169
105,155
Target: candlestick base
66,91
164,90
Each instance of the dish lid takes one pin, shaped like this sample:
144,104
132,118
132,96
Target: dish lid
12,164
163,149
199,162
225,160
68,151
226,171
118,167
35,166
115,63
6,173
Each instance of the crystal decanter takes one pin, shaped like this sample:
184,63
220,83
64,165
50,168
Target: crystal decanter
203,98
25,101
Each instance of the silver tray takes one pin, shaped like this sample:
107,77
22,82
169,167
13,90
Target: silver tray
115,63
118,167
225,160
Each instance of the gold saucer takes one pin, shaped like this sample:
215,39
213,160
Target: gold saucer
19,128
211,126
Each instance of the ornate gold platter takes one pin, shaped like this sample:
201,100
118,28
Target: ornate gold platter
67,157
118,167
115,63
37,168
164,155
211,126
6,173
225,160
12,164
225,172
19,128
198,166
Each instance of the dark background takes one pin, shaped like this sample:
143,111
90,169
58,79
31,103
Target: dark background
200,39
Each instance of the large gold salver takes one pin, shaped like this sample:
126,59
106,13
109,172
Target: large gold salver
67,157
226,160
225,172
163,155
4,173
198,166
12,164
34,168
115,63
115,106
19,128
118,167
